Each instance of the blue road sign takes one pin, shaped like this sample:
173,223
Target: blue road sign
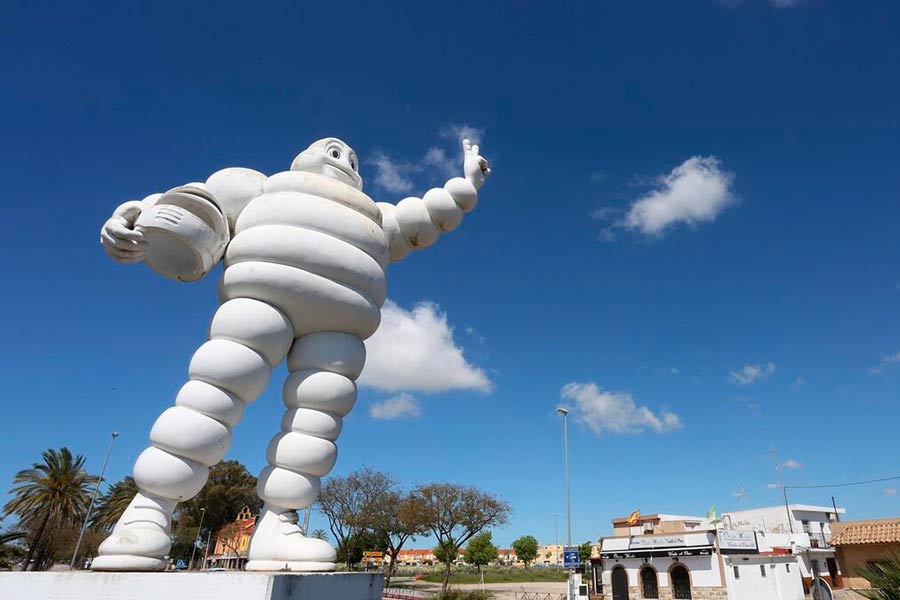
570,557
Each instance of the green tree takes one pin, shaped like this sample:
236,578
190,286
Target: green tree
526,548
445,552
111,505
55,493
10,551
584,552
456,513
348,503
320,534
481,550
883,576
396,517
230,488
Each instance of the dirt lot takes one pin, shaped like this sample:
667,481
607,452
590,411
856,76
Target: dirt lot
501,591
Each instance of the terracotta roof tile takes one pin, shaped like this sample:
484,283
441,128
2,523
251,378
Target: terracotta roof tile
875,531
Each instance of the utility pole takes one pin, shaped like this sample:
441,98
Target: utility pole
87,517
556,523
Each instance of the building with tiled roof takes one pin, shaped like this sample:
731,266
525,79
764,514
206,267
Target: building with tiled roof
864,542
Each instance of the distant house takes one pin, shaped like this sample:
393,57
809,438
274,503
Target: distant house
232,541
860,543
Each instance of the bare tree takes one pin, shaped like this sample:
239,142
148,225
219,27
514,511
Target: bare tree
348,503
397,517
455,513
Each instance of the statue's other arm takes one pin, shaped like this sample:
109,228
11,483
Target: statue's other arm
232,188
417,222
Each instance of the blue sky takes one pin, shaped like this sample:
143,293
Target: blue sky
691,233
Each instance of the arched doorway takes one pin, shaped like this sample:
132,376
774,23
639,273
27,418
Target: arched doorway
681,583
619,584
649,583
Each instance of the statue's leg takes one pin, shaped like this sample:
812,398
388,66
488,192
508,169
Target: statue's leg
319,392
246,339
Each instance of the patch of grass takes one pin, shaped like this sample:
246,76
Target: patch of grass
495,575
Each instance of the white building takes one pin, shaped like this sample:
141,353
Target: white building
807,534
686,558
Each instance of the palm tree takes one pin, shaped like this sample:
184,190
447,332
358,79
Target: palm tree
113,503
320,534
56,490
883,576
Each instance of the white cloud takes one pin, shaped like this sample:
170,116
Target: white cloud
414,350
888,361
404,406
694,192
615,412
399,176
785,3
392,175
459,132
798,384
792,464
751,374
890,492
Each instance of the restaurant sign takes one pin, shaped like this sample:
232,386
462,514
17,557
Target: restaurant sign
734,541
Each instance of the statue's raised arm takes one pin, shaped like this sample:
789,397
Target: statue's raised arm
417,222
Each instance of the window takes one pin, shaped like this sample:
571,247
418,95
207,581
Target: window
737,572
762,570
649,583
806,526
815,568
681,583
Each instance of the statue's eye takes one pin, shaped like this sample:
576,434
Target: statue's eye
352,163
335,153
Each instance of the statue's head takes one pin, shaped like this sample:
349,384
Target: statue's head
332,158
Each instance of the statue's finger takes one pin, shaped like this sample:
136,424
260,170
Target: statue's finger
117,228
475,148
467,145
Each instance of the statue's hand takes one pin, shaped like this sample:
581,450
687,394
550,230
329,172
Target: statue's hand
119,238
475,166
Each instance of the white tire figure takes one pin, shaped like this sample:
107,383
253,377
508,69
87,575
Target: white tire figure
304,278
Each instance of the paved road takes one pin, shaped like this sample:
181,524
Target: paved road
501,591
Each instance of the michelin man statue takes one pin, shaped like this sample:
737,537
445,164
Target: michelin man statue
305,253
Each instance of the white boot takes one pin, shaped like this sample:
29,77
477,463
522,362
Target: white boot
278,544
140,540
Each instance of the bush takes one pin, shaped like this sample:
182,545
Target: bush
463,595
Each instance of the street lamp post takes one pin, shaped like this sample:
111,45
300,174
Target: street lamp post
87,517
565,413
197,541
556,524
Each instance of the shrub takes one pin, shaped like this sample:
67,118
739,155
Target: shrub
463,595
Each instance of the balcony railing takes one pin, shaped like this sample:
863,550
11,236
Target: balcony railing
820,540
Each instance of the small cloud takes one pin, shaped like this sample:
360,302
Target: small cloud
785,3
792,464
474,334
392,175
605,213
888,362
414,350
694,192
597,176
675,371
458,132
615,412
749,374
404,406
890,492
798,384
399,176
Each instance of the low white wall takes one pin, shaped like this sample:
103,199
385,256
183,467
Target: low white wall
781,581
190,586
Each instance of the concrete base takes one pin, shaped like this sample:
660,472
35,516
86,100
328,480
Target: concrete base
233,585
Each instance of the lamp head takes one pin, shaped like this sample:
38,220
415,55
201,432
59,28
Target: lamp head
563,411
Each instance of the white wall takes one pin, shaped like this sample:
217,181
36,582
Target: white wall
704,570
781,582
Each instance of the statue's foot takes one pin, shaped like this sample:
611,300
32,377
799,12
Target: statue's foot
140,540
278,544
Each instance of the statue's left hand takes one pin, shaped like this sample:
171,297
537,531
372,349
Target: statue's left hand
475,166
119,238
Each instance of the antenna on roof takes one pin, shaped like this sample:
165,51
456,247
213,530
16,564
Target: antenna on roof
741,494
